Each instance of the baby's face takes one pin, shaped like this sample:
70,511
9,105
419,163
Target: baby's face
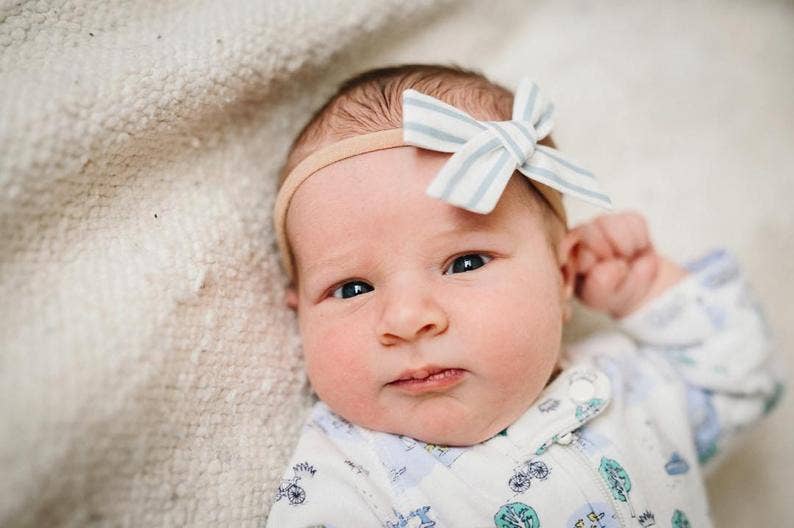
395,285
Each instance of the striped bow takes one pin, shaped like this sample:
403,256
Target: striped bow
486,153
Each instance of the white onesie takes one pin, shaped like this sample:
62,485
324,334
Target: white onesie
620,437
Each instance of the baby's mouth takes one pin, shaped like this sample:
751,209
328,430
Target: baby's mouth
429,378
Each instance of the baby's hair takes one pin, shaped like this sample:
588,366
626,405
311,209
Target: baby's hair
371,101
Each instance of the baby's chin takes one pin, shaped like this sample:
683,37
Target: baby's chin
458,438
458,427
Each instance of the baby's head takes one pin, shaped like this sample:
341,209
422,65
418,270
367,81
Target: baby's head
419,317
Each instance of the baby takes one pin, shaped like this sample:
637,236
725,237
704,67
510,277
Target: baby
432,269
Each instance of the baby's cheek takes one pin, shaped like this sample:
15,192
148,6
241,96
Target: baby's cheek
528,338
337,368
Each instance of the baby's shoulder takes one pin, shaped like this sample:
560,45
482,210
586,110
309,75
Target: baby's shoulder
627,365
606,348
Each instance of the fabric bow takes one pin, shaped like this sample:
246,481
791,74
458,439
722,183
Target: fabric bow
486,153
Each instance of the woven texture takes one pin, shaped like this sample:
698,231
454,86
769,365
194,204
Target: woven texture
149,371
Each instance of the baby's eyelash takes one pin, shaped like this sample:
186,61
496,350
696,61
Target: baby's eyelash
467,254
333,289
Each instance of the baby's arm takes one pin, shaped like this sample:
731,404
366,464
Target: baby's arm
703,320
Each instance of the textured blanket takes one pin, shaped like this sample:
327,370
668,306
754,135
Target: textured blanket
150,373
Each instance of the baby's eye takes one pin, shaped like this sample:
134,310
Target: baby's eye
351,289
468,262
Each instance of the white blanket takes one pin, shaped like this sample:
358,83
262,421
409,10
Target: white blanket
149,371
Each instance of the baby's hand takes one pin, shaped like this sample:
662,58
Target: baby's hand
617,267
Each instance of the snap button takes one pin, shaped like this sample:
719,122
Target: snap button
581,390
565,439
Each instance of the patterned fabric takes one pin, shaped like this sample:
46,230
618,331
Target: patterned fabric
621,437
488,152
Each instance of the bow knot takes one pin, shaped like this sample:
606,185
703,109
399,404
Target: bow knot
486,153
516,137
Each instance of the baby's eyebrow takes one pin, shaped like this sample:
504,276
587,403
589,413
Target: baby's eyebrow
458,229
344,257
326,262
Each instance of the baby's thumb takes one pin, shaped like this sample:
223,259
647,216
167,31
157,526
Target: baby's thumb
597,288
634,289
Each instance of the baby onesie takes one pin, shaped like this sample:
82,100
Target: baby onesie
620,438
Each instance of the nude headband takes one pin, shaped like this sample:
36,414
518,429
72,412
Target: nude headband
486,154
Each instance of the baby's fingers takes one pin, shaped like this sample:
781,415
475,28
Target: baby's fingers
625,233
593,240
636,285
585,260
639,228
597,288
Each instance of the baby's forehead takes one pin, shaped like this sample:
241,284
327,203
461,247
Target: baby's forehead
380,197
359,214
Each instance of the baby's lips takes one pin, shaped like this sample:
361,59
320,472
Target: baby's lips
420,373
439,381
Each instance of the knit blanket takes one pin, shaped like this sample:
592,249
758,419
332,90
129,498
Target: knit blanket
150,372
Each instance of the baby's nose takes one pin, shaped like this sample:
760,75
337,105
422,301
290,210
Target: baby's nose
409,315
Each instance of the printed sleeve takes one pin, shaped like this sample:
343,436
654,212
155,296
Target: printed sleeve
712,330
322,488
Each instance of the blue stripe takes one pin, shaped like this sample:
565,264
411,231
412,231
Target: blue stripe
530,103
486,183
520,126
567,164
433,132
474,156
512,144
442,110
552,176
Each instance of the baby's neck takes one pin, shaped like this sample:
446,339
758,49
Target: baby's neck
554,374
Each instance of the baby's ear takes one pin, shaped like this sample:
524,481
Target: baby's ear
566,257
292,297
